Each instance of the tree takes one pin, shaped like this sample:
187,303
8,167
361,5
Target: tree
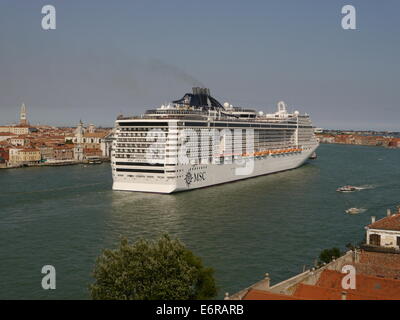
327,255
151,270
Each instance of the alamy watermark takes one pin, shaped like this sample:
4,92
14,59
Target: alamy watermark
49,280
349,280
348,21
49,19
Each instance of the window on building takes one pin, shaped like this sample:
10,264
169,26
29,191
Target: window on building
398,241
375,239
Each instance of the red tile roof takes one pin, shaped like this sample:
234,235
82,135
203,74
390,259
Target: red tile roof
388,223
305,291
377,288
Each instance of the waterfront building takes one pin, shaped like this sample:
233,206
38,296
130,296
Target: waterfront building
63,153
78,152
46,152
360,138
394,143
92,153
376,265
107,143
384,233
24,156
4,156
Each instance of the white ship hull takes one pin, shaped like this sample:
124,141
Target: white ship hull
163,151
211,174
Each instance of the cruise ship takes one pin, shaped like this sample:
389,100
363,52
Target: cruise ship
197,142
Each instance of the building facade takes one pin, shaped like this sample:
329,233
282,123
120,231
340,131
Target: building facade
385,232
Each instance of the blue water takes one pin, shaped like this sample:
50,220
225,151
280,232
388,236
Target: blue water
65,216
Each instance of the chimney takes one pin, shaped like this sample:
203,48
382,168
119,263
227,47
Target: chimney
372,219
344,295
388,212
267,281
356,256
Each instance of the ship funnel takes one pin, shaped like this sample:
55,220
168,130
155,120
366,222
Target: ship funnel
202,94
201,91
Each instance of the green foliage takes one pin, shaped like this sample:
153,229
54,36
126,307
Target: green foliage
151,270
327,254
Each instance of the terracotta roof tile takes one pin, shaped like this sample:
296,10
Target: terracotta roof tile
305,291
365,285
388,223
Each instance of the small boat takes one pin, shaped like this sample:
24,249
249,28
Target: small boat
313,156
347,189
94,160
354,210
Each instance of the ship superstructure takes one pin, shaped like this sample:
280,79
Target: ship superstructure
196,142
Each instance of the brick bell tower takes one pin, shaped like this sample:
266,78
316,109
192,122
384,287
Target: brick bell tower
22,118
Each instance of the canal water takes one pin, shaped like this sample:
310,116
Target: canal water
65,216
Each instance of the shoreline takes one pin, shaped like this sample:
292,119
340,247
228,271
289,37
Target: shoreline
55,164
360,145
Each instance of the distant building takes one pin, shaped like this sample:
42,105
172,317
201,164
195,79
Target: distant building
22,156
63,153
23,121
394,143
23,128
18,130
6,135
46,152
4,157
19,140
89,142
326,138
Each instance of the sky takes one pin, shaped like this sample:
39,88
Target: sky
107,58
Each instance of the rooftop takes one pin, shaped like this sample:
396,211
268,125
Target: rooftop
391,222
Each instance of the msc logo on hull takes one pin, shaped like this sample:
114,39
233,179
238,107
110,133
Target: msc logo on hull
194,177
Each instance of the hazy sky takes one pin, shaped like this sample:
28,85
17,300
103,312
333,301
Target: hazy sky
112,57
